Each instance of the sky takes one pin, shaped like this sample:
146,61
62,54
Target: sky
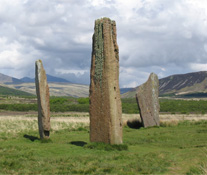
162,36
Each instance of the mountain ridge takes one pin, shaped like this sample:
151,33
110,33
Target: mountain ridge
176,85
181,81
6,91
5,79
179,84
50,78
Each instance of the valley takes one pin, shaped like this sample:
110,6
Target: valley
188,85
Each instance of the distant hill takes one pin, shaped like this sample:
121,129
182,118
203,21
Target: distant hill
53,79
187,85
184,83
124,90
50,78
13,92
27,80
57,89
5,79
58,86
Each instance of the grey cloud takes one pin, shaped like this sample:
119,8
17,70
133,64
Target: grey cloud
165,37
160,37
74,78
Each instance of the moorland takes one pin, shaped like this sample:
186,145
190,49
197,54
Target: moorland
178,146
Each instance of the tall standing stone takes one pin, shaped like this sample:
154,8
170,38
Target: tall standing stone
148,102
105,102
43,98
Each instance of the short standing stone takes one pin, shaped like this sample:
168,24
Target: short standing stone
43,98
105,102
148,102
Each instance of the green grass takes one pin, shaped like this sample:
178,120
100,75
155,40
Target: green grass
183,106
18,107
106,147
174,149
129,105
5,91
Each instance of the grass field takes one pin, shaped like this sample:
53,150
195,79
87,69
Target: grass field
173,148
129,106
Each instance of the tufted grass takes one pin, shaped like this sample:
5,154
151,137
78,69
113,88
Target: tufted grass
170,149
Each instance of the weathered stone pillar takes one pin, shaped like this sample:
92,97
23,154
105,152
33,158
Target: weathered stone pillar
43,98
148,102
105,102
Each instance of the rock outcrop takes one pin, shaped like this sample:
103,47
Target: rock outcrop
43,98
148,102
105,102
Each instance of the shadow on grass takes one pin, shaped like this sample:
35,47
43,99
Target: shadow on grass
135,124
78,143
106,147
32,138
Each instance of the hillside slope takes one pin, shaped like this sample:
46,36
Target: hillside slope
190,83
179,84
5,79
56,89
26,86
13,92
50,78
184,83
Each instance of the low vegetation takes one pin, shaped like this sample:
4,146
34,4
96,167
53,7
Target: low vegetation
172,106
170,149
129,105
184,106
14,92
18,107
190,95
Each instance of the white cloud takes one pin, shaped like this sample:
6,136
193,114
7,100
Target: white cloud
131,77
71,71
165,37
198,67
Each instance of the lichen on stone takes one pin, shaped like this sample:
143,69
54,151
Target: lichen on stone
99,49
105,102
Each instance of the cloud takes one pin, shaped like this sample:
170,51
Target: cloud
165,37
165,33
198,67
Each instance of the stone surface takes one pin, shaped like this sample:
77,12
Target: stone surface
148,102
43,98
105,102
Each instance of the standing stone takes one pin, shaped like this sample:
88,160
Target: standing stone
105,102
148,102
43,98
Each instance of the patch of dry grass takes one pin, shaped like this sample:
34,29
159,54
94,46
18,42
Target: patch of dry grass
203,166
166,119
15,124
72,120
150,151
